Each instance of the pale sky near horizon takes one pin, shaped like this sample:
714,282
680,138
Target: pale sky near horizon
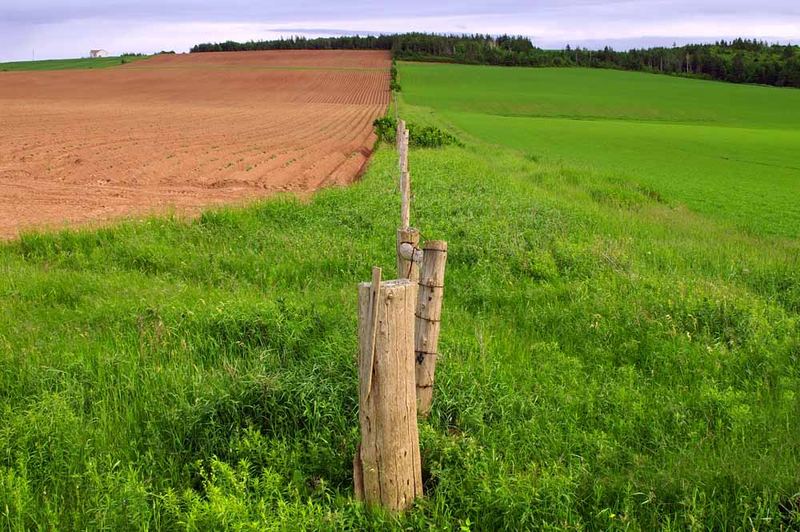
69,28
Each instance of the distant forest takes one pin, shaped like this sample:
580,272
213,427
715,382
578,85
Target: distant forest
737,61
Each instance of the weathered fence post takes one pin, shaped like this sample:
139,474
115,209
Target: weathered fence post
428,320
408,253
401,127
407,237
387,469
405,191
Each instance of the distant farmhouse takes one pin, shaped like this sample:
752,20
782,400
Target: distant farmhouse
98,53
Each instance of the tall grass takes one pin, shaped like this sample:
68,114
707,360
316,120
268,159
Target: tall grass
610,361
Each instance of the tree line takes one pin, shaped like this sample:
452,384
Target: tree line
737,61
354,42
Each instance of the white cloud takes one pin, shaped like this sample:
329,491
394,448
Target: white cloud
551,23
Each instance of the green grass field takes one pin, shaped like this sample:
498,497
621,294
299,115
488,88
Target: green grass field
728,151
611,358
69,64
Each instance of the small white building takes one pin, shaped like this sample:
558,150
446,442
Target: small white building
98,53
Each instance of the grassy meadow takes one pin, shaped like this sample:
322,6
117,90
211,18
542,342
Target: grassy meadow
731,152
69,64
613,356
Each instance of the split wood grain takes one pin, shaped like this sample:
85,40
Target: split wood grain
387,470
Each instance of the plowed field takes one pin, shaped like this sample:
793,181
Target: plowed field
182,132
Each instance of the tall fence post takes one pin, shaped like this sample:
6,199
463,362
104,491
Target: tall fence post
428,320
405,192
407,237
387,470
401,124
400,138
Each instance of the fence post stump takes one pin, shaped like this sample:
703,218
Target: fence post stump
387,469
428,320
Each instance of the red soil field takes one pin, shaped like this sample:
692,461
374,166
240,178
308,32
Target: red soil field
181,132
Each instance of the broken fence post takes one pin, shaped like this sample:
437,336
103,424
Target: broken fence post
387,469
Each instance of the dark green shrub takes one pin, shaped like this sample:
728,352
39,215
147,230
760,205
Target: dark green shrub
418,136
394,85
386,129
430,137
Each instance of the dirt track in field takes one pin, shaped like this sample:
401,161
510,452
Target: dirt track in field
177,133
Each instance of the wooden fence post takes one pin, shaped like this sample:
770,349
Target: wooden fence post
407,246
428,320
407,237
387,469
399,133
405,185
402,147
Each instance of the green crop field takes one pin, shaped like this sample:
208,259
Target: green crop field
728,151
615,355
69,64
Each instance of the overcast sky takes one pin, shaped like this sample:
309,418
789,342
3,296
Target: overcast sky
69,28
